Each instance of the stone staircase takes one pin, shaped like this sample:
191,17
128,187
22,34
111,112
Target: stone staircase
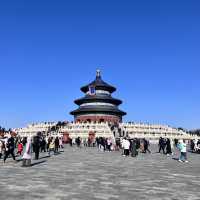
84,129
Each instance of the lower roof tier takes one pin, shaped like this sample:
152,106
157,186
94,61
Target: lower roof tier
98,110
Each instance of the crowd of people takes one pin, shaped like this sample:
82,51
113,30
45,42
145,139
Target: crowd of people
134,146
24,147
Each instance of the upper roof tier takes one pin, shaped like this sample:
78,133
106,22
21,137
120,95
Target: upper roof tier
99,84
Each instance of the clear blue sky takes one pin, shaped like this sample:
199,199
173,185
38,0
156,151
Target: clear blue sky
149,50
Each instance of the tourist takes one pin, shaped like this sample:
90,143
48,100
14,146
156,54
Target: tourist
195,145
142,146
56,142
70,142
122,141
146,146
192,145
118,144
161,144
1,148
168,147
133,148
137,144
27,154
19,148
48,139
36,146
24,141
109,144
98,142
43,145
198,146
93,142
103,143
89,141
183,150
176,142
52,146
85,142
60,143
172,146
9,147
78,141
126,147
73,141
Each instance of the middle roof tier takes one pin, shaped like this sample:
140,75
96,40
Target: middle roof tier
98,98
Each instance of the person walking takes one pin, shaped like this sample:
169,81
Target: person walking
195,145
98,142
104,143
56,142
146,146
133,148
52,146
183,150
19,148
118,145
172,145
137,144
168,147
126,146
161,144
36,146
1,148
192,145
10,148
109,143
78,141
24,141
122,145
27,154
70,142
48,141
43,145
60,143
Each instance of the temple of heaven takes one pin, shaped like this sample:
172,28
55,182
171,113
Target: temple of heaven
98,105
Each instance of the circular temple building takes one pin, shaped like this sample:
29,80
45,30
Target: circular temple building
98,104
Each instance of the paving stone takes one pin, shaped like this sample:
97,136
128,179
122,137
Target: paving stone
91,174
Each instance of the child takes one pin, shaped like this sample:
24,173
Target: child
20,148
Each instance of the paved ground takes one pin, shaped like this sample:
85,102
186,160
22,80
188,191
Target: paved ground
88,174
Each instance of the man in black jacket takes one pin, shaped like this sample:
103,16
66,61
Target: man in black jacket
146,145
162,144
36,146
10,148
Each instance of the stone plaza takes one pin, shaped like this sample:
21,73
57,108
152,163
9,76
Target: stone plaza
86,173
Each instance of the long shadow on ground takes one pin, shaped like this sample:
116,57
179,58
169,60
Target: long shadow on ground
37,163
